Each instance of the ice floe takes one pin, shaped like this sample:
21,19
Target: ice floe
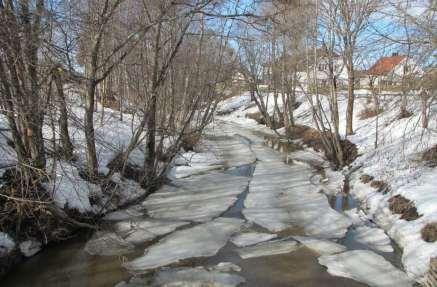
282,196
274,247
250,238
196,277
30,247
375,238
367,267
225,267
199,241
321,246
138,231
107,244
198,198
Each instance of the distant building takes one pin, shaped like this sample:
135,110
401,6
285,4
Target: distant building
389,71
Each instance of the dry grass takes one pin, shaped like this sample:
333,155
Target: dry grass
404,114
400,205
369,112
429,232
365,178
430,156
380,186
189,141
312,138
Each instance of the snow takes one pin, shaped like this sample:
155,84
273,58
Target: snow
250,238
367,267
334,181
191,163
234,103
274,247
196,277
7,244
30,247
197,198
69,189
226,267
375,238
199,241
321,246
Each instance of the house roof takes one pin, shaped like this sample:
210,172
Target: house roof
385,65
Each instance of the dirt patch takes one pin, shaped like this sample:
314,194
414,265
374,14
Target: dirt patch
403,206
430,156
429,232
365,178
380,186
312,138
369,112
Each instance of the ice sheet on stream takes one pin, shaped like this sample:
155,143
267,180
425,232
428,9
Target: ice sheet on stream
187,277
250,238
199,241
198,198
282,196
375,238
273,247
321,246
128,233
367,267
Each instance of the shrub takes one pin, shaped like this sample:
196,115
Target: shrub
189,141
365,178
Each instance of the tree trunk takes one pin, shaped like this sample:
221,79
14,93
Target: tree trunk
350,100
89,129
67,146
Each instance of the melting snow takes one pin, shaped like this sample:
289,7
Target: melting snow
250,238
321,246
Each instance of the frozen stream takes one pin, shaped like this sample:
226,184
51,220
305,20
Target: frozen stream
250,205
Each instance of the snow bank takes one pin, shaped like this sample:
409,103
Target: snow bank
69,188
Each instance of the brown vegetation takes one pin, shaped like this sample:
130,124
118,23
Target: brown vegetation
257,116
369,112
430,156
189,141
365,178
400,205
429,232
312,138
380,186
